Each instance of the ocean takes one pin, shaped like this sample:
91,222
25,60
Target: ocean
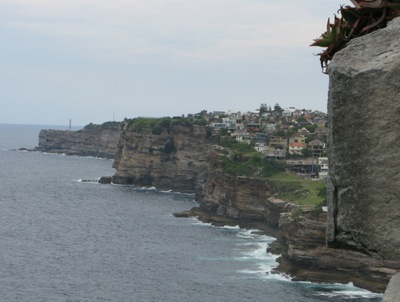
64,237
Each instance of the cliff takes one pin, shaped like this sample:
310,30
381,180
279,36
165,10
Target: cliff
301,230
245,199
364,112
92,140
179,157
170,155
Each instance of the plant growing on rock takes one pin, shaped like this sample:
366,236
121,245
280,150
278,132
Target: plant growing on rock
365,17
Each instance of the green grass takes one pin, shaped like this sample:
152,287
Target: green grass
245,161
159,125
299,190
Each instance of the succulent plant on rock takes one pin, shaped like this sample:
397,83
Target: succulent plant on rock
363,18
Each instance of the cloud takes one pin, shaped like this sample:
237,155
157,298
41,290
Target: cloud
133,31
146,57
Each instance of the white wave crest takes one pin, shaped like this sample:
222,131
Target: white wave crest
96,181
229,227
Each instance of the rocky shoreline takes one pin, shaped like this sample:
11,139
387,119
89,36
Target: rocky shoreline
245,201
304,255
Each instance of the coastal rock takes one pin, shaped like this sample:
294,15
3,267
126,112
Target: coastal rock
173,159
305,256
364,144
392,291
92,140
105,180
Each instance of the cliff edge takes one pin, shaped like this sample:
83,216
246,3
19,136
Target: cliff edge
92,140
364,144
165,153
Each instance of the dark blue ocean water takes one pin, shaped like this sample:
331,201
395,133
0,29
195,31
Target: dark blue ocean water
63,237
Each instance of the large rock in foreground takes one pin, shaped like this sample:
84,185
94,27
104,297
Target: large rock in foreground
364,153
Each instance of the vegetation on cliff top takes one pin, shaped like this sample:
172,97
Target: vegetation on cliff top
159,125
104,126
298,190
243,160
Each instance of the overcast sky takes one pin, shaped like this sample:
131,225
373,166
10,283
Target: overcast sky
92,60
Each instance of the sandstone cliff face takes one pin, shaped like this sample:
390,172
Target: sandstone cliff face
93,140
301,232
240,198
172,160
364,113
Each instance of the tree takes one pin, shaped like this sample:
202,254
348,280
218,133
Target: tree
278,108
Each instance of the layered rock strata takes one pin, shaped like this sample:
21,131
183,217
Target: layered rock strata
174,159
364,115
93,140
240,198
301,232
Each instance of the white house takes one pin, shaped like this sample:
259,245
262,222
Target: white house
323,167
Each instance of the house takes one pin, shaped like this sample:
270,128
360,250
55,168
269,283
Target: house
218,125
240,126
278,142
317,147
269,127
229,122
297,113
287,112
262,137
303,131
323,167
253,126
273,153
242,136
297,148
218,113
304,167
260,147
297,138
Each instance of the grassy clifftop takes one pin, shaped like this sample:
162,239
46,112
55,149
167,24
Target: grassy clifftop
242,160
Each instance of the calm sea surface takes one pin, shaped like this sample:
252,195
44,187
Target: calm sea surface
63,237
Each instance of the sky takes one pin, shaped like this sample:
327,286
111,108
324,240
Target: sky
94,61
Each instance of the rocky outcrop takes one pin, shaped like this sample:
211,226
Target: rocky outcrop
305,256
171,158
92,140
364,115
392,292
